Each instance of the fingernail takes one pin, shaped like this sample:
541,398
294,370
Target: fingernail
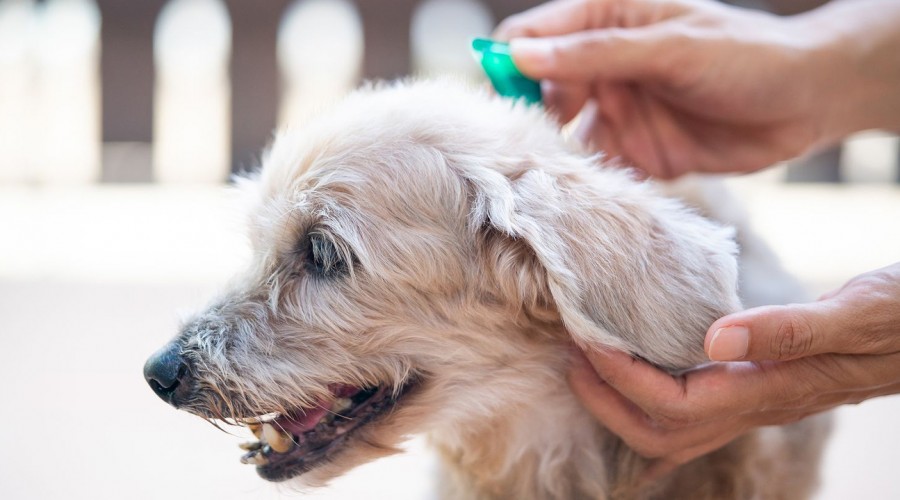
729,343
530,51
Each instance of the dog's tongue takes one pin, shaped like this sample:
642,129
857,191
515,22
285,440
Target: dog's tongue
297,424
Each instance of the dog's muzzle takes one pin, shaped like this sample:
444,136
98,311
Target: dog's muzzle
167,374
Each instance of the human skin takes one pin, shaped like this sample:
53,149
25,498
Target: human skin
674,86
680,86
772,365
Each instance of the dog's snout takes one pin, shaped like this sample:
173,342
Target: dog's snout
167,373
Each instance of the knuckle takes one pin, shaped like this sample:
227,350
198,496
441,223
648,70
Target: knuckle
875,283
583,45
868,341
793,339
870,312
671,417
675,58
511,27
560,51
671,420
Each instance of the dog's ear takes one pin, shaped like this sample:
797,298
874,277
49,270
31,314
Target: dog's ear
622,266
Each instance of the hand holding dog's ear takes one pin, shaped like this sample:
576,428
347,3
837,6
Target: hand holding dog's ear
794,361
862,317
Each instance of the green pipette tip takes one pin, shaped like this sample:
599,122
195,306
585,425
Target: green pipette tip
507,80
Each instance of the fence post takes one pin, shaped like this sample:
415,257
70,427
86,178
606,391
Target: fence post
18,75
441,33
386,37
254,77
871,157
192,125
69,108
505,8
824,166
320,53
127,81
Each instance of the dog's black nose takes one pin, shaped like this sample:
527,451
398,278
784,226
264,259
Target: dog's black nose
166,372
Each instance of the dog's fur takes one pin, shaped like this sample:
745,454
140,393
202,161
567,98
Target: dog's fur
478,246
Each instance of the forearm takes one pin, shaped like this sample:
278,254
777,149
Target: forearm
857,65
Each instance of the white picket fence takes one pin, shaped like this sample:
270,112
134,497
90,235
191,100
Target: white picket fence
50,95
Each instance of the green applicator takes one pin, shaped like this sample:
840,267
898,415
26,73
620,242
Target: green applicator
507,80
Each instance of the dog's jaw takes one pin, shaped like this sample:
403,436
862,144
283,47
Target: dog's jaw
292,445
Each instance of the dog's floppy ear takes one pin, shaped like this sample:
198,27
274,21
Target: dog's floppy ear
624,267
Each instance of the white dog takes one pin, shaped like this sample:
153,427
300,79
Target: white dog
425,256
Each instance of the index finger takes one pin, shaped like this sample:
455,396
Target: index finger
639,381
722,390
702,394
552,18
562,17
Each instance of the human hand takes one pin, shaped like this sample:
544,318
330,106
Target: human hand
785,363
673,86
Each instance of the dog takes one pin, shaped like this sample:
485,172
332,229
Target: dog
425,256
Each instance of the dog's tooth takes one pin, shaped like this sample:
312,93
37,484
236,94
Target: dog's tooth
254,458
269,433
278,440
283,444
256,429
250,446
341,404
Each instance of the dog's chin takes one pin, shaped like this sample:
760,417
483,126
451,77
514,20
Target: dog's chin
311,441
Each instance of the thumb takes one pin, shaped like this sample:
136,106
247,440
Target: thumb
779,333
611,54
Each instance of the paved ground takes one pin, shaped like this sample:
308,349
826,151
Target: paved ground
94,279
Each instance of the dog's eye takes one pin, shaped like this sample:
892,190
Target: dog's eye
323,258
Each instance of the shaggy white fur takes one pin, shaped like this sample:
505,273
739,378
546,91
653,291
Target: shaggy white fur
429,232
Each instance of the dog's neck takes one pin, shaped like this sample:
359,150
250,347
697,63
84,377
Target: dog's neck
540,444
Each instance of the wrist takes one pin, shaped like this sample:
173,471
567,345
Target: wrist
853,67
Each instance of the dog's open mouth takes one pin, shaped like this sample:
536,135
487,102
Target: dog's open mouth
291,444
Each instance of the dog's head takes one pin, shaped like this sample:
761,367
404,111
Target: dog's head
418,252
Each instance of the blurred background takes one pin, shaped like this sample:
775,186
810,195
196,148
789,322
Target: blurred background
120,123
